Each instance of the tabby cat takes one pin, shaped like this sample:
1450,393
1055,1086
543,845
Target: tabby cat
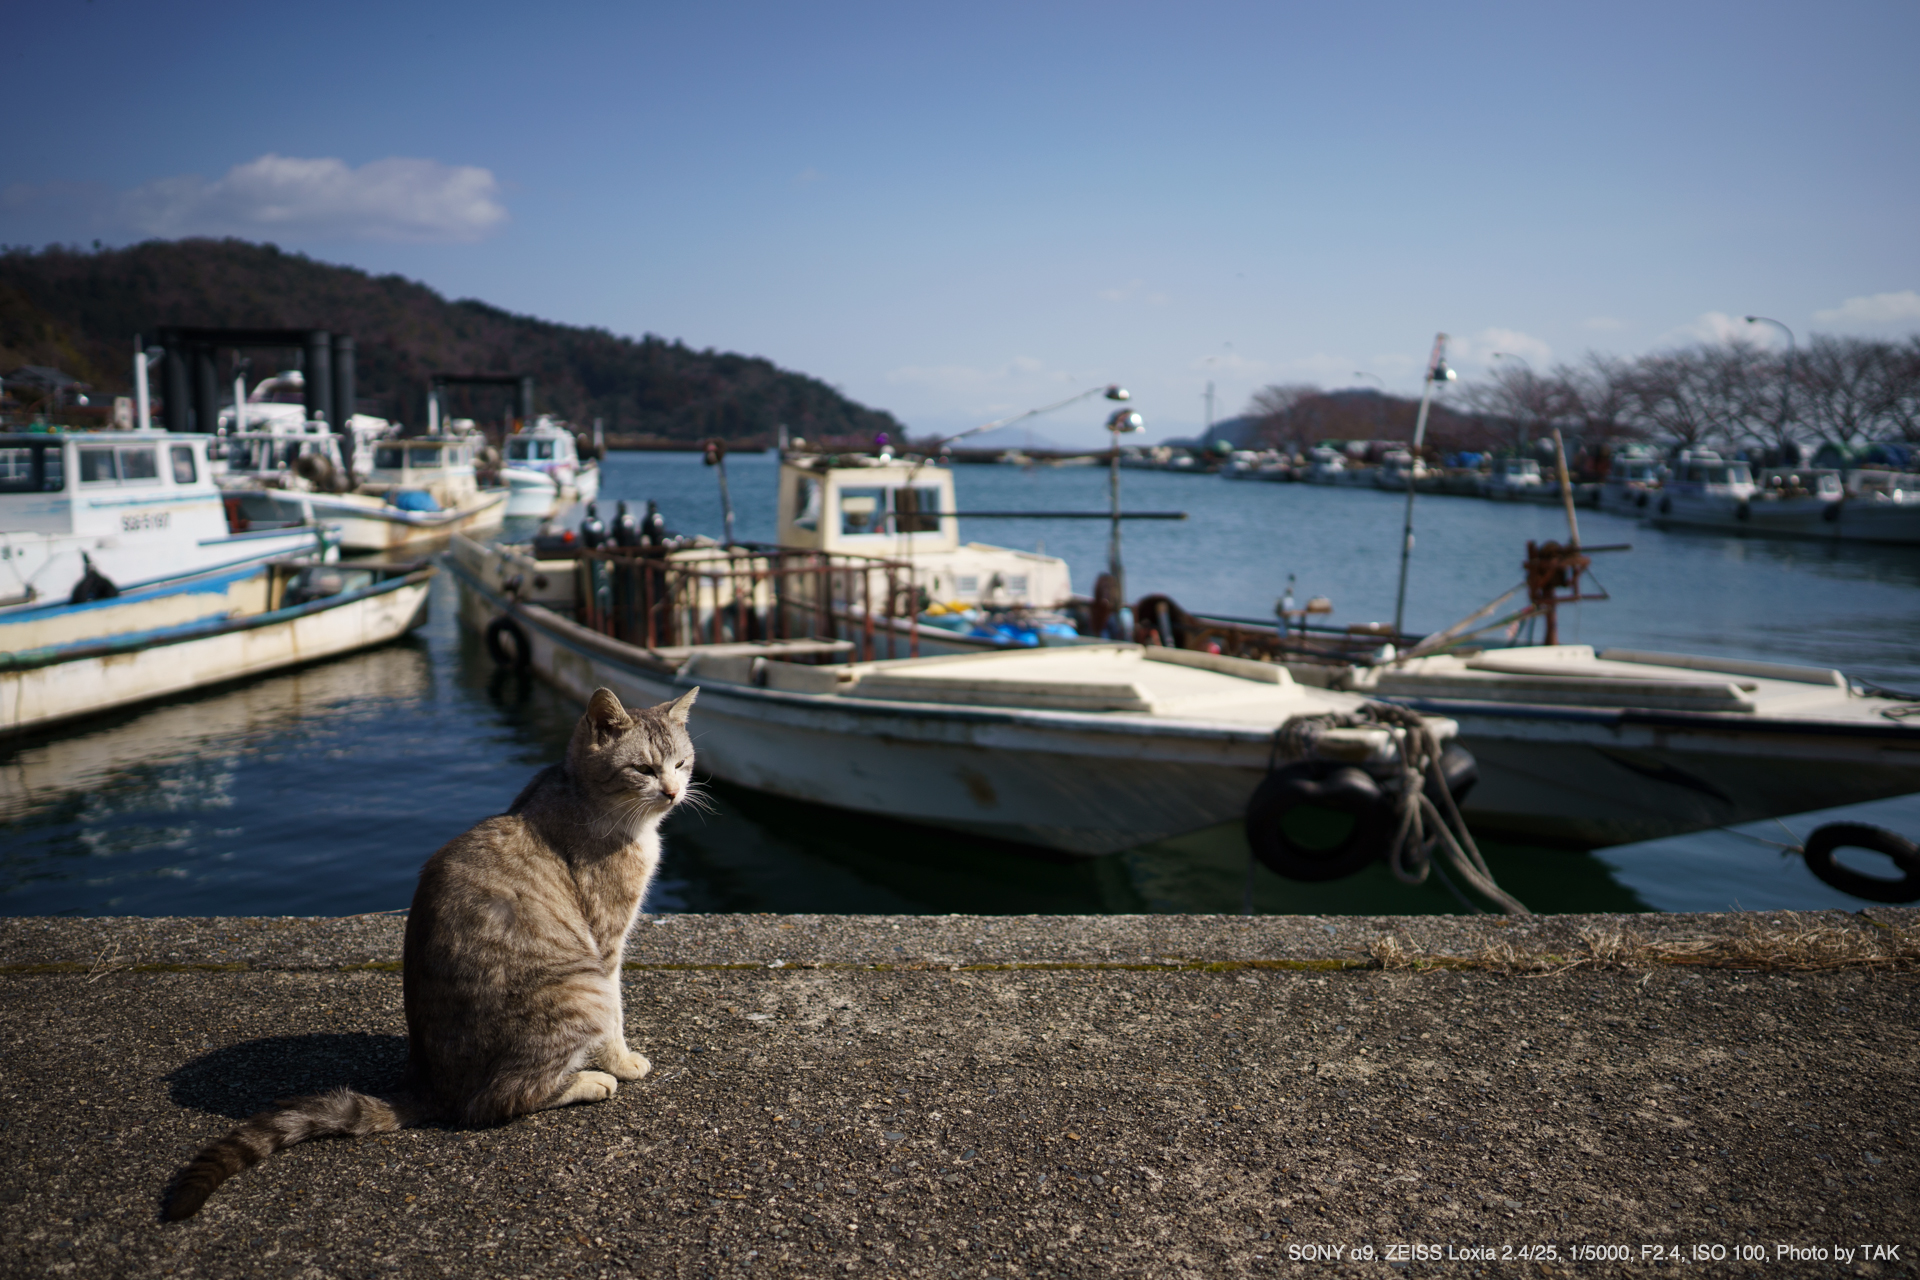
511,969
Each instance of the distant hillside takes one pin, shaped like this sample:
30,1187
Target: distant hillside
79,312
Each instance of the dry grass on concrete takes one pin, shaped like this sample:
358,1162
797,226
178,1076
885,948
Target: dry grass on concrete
1796,944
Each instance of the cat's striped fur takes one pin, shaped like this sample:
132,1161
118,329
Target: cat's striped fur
511,970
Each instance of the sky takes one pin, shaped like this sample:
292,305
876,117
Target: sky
958,212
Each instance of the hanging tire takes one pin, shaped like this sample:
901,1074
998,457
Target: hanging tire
1831,512
1743,512
1316,820
1666,505
507,645
1640,500
1857,835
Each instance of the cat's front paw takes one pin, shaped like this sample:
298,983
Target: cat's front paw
588,1086
624,1063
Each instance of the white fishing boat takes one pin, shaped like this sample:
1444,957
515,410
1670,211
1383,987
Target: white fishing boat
1702,488
1086,750
277,407
417,491
1632,484
60,662
1801,502
544,471
1586,749
1512,479
120,511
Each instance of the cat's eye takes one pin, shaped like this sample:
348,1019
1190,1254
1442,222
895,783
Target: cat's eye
684,763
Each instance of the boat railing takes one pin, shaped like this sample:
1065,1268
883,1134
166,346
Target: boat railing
663,597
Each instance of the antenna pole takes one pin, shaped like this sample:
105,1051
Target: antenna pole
1437,371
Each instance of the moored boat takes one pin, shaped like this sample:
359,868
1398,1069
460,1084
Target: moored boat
1085,750
104,512
544,471
417,491
62,662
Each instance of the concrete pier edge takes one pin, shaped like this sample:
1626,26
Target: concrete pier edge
1008,1097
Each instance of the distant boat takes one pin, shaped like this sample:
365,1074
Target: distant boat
544,471
109,512
66,661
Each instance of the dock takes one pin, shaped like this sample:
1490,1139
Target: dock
1165,1096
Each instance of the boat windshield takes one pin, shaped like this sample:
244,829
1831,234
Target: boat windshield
32,468
529,450
424,455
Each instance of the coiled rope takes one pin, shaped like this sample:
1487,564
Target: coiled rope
1422,826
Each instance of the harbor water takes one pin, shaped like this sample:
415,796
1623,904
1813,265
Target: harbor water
320,791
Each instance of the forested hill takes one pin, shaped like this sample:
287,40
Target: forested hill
79,312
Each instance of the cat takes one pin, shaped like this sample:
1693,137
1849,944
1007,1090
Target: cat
511,965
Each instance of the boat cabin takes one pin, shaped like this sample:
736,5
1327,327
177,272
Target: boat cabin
439,465
121,484
903,510
1705,474
545,446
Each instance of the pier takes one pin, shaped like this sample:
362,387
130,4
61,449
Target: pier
908,1096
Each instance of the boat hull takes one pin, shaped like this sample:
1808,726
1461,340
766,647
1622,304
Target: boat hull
47,687
1853,519
543,494
369,526
1589,778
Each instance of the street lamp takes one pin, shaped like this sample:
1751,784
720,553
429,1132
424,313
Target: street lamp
1786,392
1437,371
1121,422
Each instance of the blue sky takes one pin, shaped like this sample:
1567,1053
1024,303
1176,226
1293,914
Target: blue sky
957,212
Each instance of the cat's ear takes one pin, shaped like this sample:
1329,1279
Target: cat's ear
606,719
678,709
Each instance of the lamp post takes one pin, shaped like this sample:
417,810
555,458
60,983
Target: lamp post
1786,392
1437,371
1121,422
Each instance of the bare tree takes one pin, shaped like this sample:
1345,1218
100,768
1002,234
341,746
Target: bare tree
1272,409
1897,398
1519,404
1841,388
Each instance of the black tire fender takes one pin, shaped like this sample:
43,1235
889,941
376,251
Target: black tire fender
1858,835
1640,500
1666,504
1831,512
1744,511
1327,785
507,644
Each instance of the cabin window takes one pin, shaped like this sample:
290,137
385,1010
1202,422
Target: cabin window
53,470
16,469
543,450
517,450
184,470
1017,583
860,511
425,456
806,502
967,584
97,467
916,510
388,457
139,463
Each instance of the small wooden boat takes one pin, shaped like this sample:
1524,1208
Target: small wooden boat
59,662
417,492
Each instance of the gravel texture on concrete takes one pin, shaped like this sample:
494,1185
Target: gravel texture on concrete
1003,1097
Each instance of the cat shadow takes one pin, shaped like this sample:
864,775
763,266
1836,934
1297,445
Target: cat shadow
244,1079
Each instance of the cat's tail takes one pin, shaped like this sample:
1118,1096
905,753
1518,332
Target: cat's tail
339,1114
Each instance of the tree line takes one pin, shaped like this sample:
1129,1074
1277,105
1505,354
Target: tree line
1735,397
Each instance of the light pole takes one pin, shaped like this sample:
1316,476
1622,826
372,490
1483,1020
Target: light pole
1786,392
1121,422
1437,371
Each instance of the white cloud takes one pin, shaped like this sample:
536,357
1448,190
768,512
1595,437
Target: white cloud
393,199
1875,311
1480,348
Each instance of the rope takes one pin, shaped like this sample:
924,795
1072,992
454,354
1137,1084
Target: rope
1422,827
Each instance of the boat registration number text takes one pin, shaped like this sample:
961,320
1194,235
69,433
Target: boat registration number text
135,521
